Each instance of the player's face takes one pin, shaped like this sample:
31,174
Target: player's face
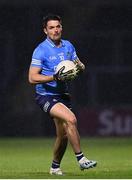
53,30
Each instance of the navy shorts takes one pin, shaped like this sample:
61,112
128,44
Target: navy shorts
46,102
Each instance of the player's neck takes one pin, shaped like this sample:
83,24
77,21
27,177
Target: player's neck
57,43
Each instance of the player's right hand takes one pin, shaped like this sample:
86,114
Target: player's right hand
63,76
57,76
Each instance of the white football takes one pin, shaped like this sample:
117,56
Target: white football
69,65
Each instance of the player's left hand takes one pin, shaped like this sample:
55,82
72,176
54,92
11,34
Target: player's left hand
79,66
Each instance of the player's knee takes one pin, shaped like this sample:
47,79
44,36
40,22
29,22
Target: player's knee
72,120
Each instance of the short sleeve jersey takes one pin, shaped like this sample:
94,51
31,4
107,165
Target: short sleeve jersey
47,56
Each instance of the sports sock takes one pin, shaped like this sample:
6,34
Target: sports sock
79,155
55,164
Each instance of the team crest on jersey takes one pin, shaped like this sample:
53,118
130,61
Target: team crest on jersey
68,55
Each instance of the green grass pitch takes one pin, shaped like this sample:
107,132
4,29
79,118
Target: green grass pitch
30,158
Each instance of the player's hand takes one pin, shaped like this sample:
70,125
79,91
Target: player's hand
79,66
57,76
63,76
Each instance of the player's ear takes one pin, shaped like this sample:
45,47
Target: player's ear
45,31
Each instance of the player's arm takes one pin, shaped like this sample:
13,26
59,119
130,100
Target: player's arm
35,77
80,66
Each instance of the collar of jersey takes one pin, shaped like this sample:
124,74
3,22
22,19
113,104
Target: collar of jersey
52,43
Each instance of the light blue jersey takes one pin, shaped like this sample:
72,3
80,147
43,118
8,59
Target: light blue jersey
47,56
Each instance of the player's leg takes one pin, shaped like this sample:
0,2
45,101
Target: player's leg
61,140
60,111
59,147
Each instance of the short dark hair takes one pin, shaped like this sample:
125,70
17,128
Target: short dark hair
50,17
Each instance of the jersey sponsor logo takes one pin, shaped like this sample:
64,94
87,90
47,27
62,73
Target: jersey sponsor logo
46,105
52,57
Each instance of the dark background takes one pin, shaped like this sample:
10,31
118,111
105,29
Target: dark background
101,31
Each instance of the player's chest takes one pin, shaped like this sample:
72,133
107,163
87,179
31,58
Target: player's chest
56,56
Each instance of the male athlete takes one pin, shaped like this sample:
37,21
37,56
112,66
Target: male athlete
52,92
